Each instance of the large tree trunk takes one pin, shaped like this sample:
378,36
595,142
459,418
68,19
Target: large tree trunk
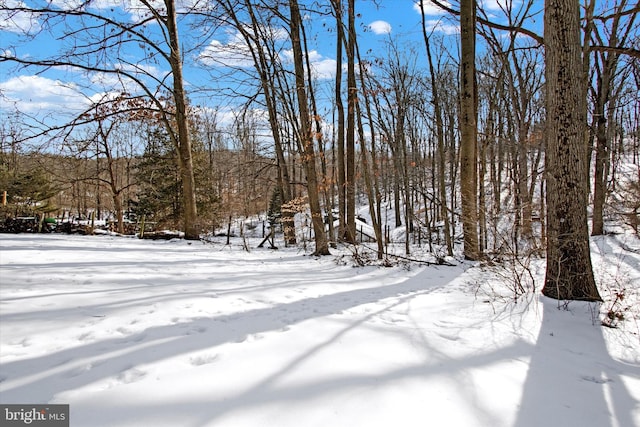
185,162
468,130
569,274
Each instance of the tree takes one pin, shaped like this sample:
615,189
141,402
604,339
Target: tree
569,274
339,131
158,179
305,136
352,99
439,125
112,141
180,136
468,130
99,43
606,69
260,43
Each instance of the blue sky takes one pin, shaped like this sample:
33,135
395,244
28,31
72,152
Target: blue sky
67,90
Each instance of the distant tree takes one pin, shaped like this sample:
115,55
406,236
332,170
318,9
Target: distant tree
29,185
29,191
113,141
608,81
158,196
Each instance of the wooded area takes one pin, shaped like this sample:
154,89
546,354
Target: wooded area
508,141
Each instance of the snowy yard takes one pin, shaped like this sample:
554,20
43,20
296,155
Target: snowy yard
170,333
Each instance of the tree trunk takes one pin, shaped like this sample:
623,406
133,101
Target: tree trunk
437,111
340,157
185,162
569,274
371,179
606,76
352,99
468,130
305,135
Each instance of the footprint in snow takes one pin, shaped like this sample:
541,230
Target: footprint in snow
85,336
596,380
197,330
250,338
131,375
450,337
203,360
77,371
25,342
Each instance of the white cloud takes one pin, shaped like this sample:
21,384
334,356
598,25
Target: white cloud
440,26
235,52
496,5
380,27
36,94
17,21
66,4
232,54
136,10
430,9
322,68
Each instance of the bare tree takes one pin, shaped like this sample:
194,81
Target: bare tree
97,43
468,130
606,71
439,125
305,137
252,21
114,151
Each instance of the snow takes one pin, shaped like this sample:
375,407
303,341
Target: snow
172,333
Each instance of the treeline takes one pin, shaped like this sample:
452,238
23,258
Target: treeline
508,143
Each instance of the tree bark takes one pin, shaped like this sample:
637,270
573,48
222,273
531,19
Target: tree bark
340,157
352,99
468,130
569,274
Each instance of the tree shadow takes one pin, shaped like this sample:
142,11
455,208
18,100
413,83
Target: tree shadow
40,378
572,380
274,389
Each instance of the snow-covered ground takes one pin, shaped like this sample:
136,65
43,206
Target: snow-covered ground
168,333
